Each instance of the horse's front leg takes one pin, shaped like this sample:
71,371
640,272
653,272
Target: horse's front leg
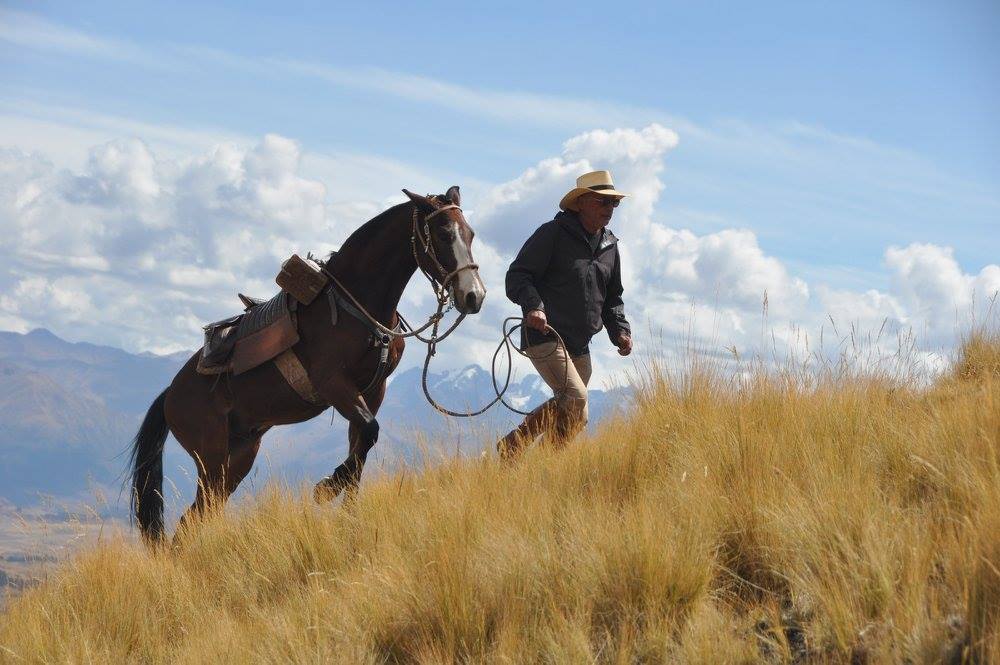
362,434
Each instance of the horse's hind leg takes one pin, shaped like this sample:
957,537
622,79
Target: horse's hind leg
243,448
206,443
219,477
362,434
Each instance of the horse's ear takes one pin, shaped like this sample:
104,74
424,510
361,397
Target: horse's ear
422,202
454,196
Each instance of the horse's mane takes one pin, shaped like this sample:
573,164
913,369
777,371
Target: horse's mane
362,235
373,227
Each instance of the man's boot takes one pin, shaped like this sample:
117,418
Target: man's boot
568,421
535,423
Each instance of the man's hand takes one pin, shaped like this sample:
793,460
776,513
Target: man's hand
536,319
624,344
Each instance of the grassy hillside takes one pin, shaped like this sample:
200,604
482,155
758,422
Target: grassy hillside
812,517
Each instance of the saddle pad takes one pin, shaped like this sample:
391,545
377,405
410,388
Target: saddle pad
262,315
243,342
262,333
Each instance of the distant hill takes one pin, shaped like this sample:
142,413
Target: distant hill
123,381
35,407
68,410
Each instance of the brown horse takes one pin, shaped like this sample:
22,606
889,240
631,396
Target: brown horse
220,421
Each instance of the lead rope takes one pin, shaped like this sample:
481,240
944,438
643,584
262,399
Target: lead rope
500,392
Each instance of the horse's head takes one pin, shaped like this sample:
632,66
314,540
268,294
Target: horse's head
443,247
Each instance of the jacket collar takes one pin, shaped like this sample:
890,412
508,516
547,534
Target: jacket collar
570,221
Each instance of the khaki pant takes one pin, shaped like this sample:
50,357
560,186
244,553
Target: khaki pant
568,380
561,417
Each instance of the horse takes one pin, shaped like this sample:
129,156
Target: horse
219,420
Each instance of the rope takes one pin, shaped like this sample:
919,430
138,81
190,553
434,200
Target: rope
504,344
432,342
414,332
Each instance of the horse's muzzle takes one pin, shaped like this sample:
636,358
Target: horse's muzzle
468,290
473,302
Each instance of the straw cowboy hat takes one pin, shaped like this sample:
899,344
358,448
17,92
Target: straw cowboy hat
595,182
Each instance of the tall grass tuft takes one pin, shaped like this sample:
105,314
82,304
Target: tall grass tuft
728,518
979,357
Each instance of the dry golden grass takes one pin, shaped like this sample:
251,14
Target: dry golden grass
777,518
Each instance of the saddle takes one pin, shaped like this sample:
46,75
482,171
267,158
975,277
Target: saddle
268,329
244,341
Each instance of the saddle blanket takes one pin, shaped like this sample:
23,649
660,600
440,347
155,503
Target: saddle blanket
244,341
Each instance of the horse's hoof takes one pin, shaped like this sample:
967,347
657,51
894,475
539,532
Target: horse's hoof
326,490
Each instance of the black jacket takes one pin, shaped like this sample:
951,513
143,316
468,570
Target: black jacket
579,288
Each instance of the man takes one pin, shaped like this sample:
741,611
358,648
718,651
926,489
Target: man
567,276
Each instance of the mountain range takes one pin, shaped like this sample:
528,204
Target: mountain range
69,410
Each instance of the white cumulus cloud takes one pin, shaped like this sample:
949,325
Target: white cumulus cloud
140,250
129,227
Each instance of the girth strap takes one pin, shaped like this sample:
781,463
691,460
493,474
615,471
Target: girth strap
295,374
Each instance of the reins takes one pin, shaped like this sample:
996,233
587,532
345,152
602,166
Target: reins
443,296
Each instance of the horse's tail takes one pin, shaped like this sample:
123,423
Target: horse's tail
147,471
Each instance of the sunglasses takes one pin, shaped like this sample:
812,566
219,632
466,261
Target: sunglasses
605,201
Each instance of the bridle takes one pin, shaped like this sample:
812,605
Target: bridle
444,277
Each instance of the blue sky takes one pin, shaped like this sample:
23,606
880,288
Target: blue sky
829,132
892,72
